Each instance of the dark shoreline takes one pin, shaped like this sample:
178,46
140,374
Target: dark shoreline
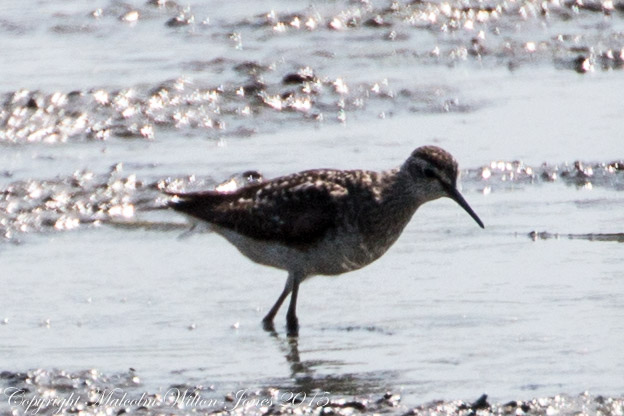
44,392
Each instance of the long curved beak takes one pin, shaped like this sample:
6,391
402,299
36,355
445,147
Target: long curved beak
454,194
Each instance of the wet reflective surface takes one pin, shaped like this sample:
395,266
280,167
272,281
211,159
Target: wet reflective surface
95,121
90,392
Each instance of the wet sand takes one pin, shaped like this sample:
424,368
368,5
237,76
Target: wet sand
92,393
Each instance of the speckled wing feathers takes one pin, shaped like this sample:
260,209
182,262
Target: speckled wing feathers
296,209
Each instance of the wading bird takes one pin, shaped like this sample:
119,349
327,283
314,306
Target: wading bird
323,221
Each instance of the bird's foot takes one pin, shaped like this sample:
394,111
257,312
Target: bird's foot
267,325
292,326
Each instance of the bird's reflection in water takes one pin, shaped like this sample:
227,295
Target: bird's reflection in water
306,377
293,358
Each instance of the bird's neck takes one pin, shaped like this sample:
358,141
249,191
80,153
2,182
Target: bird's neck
399,192
396,202
385,220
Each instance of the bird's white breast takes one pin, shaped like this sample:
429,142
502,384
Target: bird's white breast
329,256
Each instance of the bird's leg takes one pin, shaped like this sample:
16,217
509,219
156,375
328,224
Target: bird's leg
292,323
267,321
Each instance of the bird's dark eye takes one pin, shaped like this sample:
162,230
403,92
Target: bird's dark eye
429,173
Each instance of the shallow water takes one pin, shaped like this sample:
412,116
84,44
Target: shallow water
96,276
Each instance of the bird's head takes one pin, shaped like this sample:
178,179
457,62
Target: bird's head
434,174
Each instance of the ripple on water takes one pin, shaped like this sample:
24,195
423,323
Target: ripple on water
582,36
138,112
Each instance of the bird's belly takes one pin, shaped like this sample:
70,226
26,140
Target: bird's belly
268,253
341,255
329,256
351,250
